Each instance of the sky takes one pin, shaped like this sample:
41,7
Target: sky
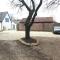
5,6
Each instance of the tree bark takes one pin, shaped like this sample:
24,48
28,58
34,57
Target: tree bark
27,32
27,26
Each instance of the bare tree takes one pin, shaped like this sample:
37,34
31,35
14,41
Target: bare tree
53,4
32,8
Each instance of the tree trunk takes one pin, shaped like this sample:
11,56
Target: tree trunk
27,32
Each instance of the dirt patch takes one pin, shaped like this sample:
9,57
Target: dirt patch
12,50
48,49
30,40
49,46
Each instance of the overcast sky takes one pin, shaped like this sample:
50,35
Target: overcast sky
5,6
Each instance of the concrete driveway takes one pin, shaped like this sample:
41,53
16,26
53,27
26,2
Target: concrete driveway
16,35
11,35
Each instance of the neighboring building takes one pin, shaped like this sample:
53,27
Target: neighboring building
14,24
5,21
40,24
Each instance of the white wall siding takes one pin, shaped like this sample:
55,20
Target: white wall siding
6,25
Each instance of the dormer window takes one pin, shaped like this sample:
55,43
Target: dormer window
7,19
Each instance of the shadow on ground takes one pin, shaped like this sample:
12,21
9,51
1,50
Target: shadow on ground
14,50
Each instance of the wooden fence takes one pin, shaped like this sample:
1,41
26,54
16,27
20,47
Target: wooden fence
41,26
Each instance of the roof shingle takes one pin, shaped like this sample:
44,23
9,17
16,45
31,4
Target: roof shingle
2,15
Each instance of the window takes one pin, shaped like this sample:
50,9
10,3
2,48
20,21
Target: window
7,19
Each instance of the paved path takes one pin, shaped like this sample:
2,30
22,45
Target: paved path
16,35
11,35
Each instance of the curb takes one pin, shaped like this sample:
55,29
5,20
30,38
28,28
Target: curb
28,44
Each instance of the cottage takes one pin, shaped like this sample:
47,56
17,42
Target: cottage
40,24
5,21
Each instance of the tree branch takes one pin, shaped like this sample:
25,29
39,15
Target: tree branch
40,3
23,2
51,3
33,4
29,18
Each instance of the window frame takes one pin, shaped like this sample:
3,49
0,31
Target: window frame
6,19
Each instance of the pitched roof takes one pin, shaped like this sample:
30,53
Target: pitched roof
16,21
39,19
2,15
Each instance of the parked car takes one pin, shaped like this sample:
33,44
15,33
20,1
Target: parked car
56,28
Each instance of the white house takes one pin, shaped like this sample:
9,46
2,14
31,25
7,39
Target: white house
6,22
